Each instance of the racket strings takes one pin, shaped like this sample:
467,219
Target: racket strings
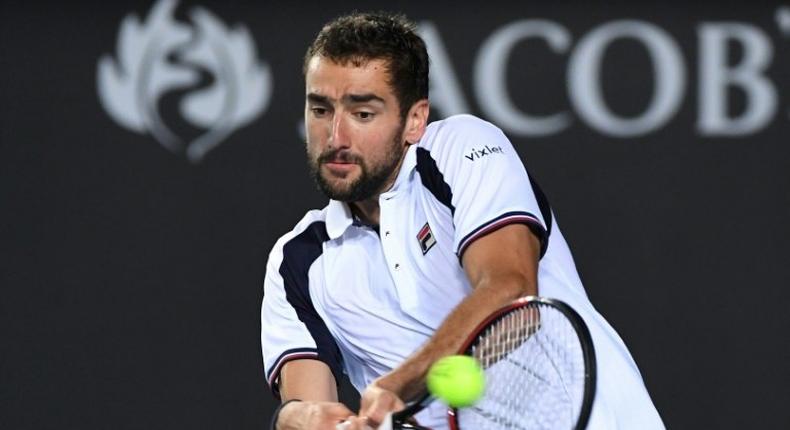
535,372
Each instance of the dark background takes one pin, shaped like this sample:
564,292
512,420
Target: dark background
131,278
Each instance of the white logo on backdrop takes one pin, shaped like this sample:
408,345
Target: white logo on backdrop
717,77
131,85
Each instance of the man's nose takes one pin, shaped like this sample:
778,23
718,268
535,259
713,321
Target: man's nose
339,137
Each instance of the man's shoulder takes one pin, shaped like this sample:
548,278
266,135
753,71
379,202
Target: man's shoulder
458,136
462,120
311,225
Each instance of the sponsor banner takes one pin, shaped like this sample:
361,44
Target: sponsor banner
619,78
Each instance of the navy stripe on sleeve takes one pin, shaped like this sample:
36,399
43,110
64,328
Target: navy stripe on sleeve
298,255
291,354
502,220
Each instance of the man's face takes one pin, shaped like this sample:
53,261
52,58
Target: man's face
353,127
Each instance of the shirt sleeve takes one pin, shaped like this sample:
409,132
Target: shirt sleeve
487,184
290,326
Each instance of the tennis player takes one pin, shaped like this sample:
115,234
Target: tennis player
429,228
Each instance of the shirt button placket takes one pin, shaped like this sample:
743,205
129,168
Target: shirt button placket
388,244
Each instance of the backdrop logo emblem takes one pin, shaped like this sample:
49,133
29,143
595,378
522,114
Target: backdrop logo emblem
208,71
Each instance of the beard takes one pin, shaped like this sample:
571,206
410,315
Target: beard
371,179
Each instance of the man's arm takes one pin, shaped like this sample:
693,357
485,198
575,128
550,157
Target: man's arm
501,267
307,380
311,382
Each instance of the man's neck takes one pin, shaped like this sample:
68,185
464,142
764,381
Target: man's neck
367,210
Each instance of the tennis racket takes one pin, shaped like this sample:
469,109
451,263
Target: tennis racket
539,365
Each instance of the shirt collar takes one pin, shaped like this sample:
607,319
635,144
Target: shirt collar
338,218
409,163
338,214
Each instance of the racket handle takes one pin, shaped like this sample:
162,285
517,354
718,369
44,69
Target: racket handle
386,425
407,426
399,418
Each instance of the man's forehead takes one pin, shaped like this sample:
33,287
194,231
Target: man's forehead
332,80
351,61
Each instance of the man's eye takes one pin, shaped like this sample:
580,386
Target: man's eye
365,115
318,111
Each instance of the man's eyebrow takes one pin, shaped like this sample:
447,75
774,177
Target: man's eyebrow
316,98
348,98
362,98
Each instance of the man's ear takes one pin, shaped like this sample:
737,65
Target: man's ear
416,121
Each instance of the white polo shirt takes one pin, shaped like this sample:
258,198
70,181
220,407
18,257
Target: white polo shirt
362,299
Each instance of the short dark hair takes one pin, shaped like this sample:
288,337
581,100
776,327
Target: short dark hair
361,37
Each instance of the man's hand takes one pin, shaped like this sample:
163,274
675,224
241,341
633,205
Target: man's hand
376,402
312,416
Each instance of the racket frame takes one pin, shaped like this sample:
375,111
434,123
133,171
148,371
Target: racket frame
588,352
585,339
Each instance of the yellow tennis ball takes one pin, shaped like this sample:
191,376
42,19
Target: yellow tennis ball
458,380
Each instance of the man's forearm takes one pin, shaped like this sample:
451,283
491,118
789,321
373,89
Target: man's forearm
489,295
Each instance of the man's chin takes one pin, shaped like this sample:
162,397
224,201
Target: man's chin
338,189
345,196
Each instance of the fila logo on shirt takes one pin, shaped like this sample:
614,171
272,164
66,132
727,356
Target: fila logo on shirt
426,239
480,153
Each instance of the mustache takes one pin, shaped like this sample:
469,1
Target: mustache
337,155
